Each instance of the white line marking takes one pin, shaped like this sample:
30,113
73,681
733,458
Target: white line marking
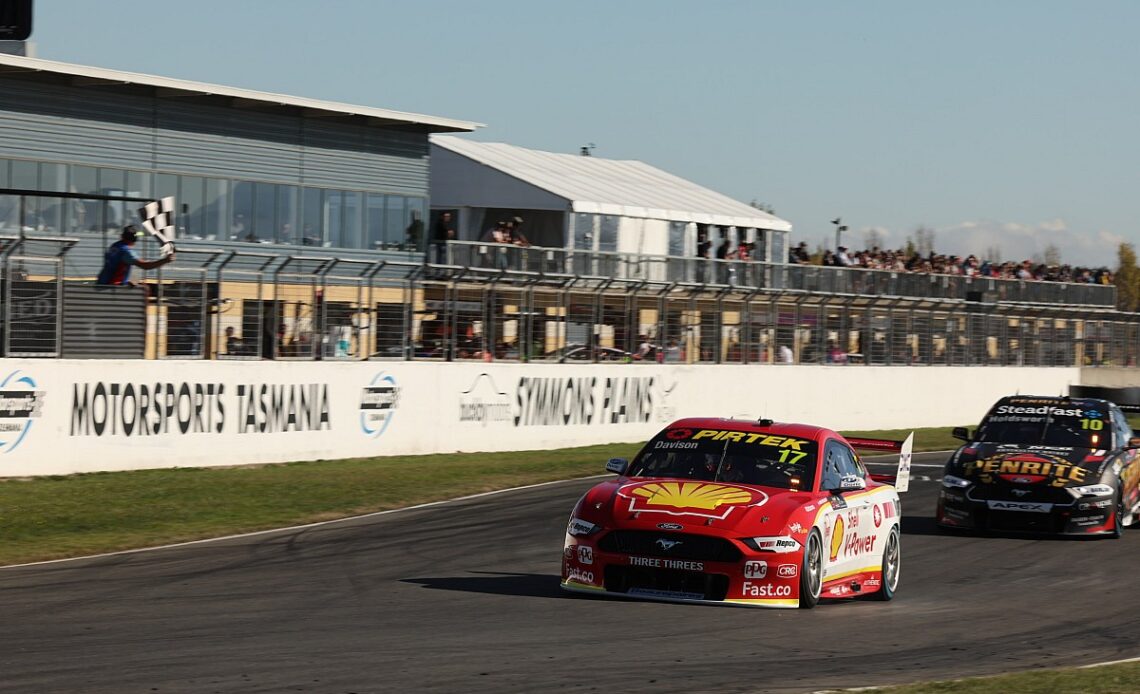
307,525
1110,662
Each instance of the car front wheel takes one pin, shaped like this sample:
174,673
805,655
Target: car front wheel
811,575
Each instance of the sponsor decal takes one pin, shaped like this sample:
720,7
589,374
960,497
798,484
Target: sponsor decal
671,594
666,544
703,499
766,590
670,526
589,401
1019,492
836,536
378,404
1027,468
779,545
872,583
659,563
787,571
483,403
954,514
837,502
796,529
755,569
841,589
678,434
1047,410
1104,503
575,574
1026,506
675,445
579,527
585,554
20,405
758,439
877,515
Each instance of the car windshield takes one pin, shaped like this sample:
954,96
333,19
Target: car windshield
1047,423
721,455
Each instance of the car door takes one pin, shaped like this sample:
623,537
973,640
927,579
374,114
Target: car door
850,539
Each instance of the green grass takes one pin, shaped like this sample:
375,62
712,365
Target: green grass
65,516
1123,678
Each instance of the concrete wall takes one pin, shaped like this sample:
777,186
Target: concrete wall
67,416
1110,377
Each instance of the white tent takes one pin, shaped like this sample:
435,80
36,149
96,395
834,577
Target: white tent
655,212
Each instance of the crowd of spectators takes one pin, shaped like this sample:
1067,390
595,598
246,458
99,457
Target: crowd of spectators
939,264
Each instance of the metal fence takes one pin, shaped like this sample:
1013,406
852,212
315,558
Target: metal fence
776,276
227,304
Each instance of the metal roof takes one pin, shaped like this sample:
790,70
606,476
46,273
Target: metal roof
625,188
81,75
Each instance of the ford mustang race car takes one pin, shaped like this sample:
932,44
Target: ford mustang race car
743,512
1044,464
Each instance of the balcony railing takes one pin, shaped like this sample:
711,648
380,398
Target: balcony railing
775,276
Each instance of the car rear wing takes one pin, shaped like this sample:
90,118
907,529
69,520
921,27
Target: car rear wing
901,478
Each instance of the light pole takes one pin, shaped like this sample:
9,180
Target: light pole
839,229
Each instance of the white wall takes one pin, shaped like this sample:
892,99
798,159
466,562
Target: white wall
66,416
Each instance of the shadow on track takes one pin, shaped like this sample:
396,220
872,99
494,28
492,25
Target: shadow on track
524,585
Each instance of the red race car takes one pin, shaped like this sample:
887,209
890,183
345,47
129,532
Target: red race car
751,513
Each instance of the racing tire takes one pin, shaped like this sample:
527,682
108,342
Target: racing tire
892,561
1118,515
811,573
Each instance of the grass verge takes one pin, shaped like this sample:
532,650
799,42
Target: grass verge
1123,678
74,515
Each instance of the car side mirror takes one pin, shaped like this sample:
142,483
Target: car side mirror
850,483
961,433
617,465
1134,442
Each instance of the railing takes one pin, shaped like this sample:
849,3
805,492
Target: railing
226,304
775,276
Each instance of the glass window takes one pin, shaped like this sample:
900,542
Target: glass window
417,212
374,222
84,179
264,212
112,182
583,232
164,185
5,179
52,177
287,214
216,211
607,236
353,232
394,223
677,238
241,202
312,217
334,199
138,184
779,246
25,175
190,207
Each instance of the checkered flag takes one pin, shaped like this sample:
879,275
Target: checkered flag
158,220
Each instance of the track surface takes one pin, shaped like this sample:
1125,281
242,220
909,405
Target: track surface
465,597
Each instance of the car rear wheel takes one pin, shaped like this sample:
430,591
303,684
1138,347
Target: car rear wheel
1118,514
892,560
811,574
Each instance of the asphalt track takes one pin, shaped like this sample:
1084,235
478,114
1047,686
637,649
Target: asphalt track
464,597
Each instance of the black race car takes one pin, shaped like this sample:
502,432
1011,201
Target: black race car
1067,466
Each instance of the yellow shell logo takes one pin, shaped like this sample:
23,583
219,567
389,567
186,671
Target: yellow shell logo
837,536
692,495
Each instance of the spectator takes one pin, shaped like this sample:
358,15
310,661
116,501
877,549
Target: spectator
234,344
841,257
645,349
121,256
515,234
784,355
414,232
442,232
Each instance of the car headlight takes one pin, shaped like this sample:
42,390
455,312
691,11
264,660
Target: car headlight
581,528
1090,490
780,545
955,482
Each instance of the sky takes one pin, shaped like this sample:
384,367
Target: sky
1004,127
